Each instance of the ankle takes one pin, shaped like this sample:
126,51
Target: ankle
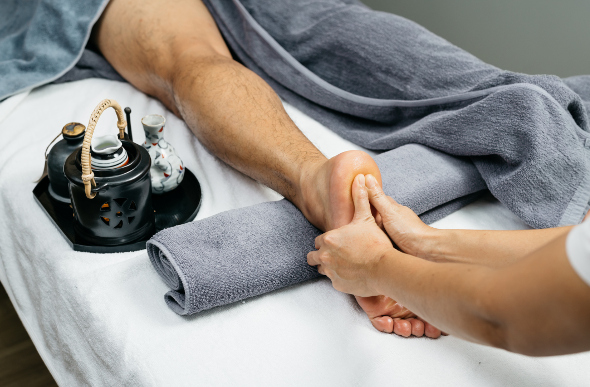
308,200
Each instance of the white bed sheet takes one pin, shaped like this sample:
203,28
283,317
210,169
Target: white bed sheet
101,319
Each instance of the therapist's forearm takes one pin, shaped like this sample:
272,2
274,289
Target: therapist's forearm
487,247
448,296
536,306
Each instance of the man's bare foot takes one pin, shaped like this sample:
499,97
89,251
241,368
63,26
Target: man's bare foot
326,189
388,316
327,204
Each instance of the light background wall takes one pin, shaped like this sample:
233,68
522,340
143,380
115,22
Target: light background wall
530,36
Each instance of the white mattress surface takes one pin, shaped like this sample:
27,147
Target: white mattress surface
101,319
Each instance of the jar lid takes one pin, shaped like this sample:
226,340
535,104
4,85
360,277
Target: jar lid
73,129
107,152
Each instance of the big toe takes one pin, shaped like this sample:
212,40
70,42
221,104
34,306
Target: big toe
383,324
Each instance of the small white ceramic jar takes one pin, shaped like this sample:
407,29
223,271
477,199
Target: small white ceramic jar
167,169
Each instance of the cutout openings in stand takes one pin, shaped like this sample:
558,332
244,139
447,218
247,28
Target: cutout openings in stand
106,207
120,201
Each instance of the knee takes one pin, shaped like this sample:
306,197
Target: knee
180,71
197,63
187,51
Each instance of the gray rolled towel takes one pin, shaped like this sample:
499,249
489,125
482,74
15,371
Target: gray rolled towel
250,251
233,255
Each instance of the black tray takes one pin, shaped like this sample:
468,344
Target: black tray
172,208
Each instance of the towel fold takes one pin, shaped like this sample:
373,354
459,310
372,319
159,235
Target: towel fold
250,251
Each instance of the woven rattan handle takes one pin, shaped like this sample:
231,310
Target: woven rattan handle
87,174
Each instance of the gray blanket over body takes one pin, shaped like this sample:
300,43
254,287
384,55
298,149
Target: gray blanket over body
376,79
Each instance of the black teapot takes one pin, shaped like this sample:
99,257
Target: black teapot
112,202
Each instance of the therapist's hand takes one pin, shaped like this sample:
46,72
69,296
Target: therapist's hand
350,256
402,225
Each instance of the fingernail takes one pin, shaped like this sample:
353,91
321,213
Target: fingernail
371,181
361,180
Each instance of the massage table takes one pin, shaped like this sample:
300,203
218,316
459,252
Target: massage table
100,319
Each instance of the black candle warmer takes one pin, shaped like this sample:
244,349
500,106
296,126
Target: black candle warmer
111,210
111,207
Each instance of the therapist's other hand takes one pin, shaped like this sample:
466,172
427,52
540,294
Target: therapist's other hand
350,255
402,225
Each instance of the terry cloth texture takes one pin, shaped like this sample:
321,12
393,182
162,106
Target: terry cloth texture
382,81
40,40
243,253
378,80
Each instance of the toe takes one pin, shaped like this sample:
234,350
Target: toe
402,327
417,327
383,324
431,331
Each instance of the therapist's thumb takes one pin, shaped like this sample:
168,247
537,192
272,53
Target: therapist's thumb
362,207
382,203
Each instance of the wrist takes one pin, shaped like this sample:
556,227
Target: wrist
381,275
434,245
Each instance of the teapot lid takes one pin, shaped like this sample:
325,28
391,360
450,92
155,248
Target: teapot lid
73,129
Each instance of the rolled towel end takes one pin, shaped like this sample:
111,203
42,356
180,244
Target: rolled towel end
232,256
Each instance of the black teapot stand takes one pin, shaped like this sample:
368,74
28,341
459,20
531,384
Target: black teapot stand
171,209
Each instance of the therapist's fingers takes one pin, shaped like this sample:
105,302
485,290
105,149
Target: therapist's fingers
319,241
379,221
313,258
383,203
360,197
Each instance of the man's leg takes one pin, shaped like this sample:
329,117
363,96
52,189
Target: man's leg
174,52
380,55
460,105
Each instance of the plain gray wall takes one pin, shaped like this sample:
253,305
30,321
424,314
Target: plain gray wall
530,36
